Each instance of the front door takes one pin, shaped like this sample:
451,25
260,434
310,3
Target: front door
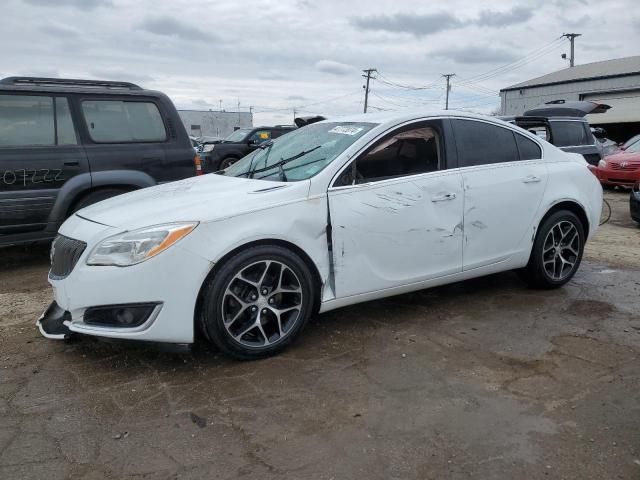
39,152
396,213
504,179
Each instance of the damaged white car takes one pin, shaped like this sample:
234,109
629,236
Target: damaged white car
335,213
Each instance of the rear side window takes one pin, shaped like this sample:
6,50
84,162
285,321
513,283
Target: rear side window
529,150
26,120
570,134
113,121
481,143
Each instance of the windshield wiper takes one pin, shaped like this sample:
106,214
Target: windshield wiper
281,163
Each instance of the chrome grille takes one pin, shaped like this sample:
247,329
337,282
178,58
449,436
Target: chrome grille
625,166
65,253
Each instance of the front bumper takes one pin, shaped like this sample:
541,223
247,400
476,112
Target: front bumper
619,178
172,280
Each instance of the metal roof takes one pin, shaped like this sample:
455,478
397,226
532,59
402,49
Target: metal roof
617,67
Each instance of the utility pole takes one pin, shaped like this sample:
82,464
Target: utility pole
367,75
572,37
294,115
448,77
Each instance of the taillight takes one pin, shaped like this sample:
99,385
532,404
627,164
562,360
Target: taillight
198,164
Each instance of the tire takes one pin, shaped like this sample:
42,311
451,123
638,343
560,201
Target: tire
227,162
556,255
240,294
95,197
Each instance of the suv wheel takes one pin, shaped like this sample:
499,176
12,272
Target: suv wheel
227,162
258,302
557,251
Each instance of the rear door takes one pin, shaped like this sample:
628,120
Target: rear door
125,133
504,177
39,152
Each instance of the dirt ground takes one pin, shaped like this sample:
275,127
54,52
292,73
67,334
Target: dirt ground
481,379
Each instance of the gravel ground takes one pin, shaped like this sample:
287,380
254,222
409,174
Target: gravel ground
481,379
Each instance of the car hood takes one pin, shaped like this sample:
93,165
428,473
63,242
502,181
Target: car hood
205,198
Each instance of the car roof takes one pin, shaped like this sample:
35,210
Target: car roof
63,85
393,118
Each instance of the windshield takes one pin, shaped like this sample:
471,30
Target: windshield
634,147
301,154
238,135
630,142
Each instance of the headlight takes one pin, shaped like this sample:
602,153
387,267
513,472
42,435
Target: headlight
602,164
208,148
137,246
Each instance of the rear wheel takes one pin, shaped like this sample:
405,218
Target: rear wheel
258,302
557,251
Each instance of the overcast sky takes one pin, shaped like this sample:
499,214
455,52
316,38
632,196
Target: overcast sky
304,54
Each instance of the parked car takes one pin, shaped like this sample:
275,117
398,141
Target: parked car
631,141
66,144
336,213
225,153
621,169
562,124
634,203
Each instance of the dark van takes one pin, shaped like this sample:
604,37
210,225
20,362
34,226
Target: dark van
66,144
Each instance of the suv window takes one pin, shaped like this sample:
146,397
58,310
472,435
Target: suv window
26,120
65,128
481,143
570,134
114,121
529,150
406,152
260,136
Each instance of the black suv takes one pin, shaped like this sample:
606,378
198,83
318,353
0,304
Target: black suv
226,152
562,124
65,144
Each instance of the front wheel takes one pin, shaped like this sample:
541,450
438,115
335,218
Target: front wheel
557,251
227,162
258,302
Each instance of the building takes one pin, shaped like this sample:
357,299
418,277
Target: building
614,82
208,123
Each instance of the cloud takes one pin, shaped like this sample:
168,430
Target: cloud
427,24
59,30
170,27
120,74
477,55
418,25
81,4
299,98
489,18
334,68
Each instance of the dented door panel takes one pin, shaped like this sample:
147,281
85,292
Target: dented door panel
500,207
395,232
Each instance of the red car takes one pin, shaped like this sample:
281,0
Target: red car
621,169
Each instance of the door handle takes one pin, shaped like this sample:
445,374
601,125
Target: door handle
531,179
443,197
71,164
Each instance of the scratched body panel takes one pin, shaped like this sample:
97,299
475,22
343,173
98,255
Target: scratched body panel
395,233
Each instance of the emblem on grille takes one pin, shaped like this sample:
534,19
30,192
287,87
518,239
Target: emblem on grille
624,164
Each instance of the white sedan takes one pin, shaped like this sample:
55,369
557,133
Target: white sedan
335,213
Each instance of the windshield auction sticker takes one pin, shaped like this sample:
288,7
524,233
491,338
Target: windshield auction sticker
345,130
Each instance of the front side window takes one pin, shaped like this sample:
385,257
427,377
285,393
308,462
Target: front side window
481,143
114,121
410,151
570,134
260,136
300,154
26,120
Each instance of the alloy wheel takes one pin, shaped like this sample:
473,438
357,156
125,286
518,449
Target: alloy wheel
262,303
561,250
